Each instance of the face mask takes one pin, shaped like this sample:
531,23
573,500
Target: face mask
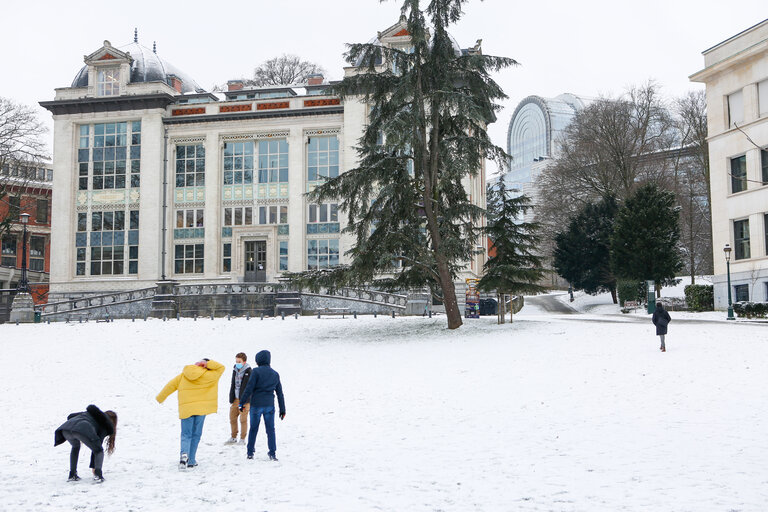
239,366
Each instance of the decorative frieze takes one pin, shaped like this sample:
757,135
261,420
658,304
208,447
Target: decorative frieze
322,131
273,105
187,140
235,108
322,103
192,111
256,135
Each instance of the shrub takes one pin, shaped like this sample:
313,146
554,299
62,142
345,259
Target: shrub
700,297
751,309
629,290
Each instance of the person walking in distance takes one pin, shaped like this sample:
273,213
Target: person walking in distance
661,319
240,375
198,387
89,428
260,392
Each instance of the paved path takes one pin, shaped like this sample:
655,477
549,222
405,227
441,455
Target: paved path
550,304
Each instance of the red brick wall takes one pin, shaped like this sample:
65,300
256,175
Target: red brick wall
28,205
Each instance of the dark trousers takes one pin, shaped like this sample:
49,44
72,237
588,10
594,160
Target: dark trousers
97,452
269,426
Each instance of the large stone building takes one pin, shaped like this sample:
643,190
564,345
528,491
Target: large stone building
736,76
157,179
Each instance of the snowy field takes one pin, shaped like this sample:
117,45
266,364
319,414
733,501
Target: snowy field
575,412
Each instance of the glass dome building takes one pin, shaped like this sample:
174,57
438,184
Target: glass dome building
534,129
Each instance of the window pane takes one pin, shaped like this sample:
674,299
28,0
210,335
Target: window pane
735,108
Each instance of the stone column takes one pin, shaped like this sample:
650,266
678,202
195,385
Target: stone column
213,208
296,210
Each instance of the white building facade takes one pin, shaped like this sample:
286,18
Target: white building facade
157,179
736,77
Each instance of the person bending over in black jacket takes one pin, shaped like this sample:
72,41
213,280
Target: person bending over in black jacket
260,393
90,428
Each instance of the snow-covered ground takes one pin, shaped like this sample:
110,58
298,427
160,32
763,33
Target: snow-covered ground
553,412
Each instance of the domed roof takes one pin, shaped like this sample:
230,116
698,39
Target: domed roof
147,66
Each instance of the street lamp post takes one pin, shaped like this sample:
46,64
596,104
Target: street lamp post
727,251
24,282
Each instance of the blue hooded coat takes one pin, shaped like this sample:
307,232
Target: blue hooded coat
263,385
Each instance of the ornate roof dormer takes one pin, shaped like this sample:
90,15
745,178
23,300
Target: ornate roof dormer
107,70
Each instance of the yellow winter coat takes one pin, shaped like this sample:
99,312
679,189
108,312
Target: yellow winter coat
198,389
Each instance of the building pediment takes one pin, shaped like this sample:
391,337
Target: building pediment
108,54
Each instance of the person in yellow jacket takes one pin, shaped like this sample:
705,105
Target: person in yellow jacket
198,387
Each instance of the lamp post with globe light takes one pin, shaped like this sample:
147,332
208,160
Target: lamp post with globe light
727,251
23,286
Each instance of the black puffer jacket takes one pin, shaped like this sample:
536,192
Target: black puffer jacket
243,384
93,424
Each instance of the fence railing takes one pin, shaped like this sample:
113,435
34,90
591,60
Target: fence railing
88,302
363,295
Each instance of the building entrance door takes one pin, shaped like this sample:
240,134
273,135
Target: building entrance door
255,261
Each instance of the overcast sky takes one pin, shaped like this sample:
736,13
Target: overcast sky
589,48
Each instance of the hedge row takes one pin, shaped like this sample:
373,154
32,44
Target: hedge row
751,309
700,297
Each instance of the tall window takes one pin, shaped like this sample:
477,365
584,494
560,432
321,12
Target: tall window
111,246
227,258
283,255
322,254
762,97
190,166
738,174
741,239
37,253
115,154
765,230
735,109
764,165
242,216
238,163
108,81
8,251
188,259
42,211
273,161
322,158
273,214
14,207
323,213
741,293
189,218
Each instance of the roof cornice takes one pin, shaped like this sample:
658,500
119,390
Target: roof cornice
108,104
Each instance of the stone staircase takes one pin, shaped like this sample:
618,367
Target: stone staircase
288,303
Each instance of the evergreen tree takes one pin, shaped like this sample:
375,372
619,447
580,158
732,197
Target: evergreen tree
645,237
582,253
429,106
514,269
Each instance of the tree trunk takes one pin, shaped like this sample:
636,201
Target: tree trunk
613,296
501,314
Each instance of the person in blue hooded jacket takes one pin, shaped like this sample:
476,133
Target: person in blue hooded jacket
260,392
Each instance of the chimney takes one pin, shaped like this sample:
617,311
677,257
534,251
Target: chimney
316,79
175,82
234,85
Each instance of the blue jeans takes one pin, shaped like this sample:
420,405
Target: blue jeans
191,430
269,425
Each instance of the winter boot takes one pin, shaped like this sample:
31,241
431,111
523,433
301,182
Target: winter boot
231,440
272,456
241,442
183,461
73,477
250,456
98,477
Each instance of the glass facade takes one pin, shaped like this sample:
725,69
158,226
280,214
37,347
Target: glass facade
109,156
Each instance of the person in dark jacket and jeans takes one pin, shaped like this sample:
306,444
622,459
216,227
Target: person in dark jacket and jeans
260,392
89,428
661,319
240,375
